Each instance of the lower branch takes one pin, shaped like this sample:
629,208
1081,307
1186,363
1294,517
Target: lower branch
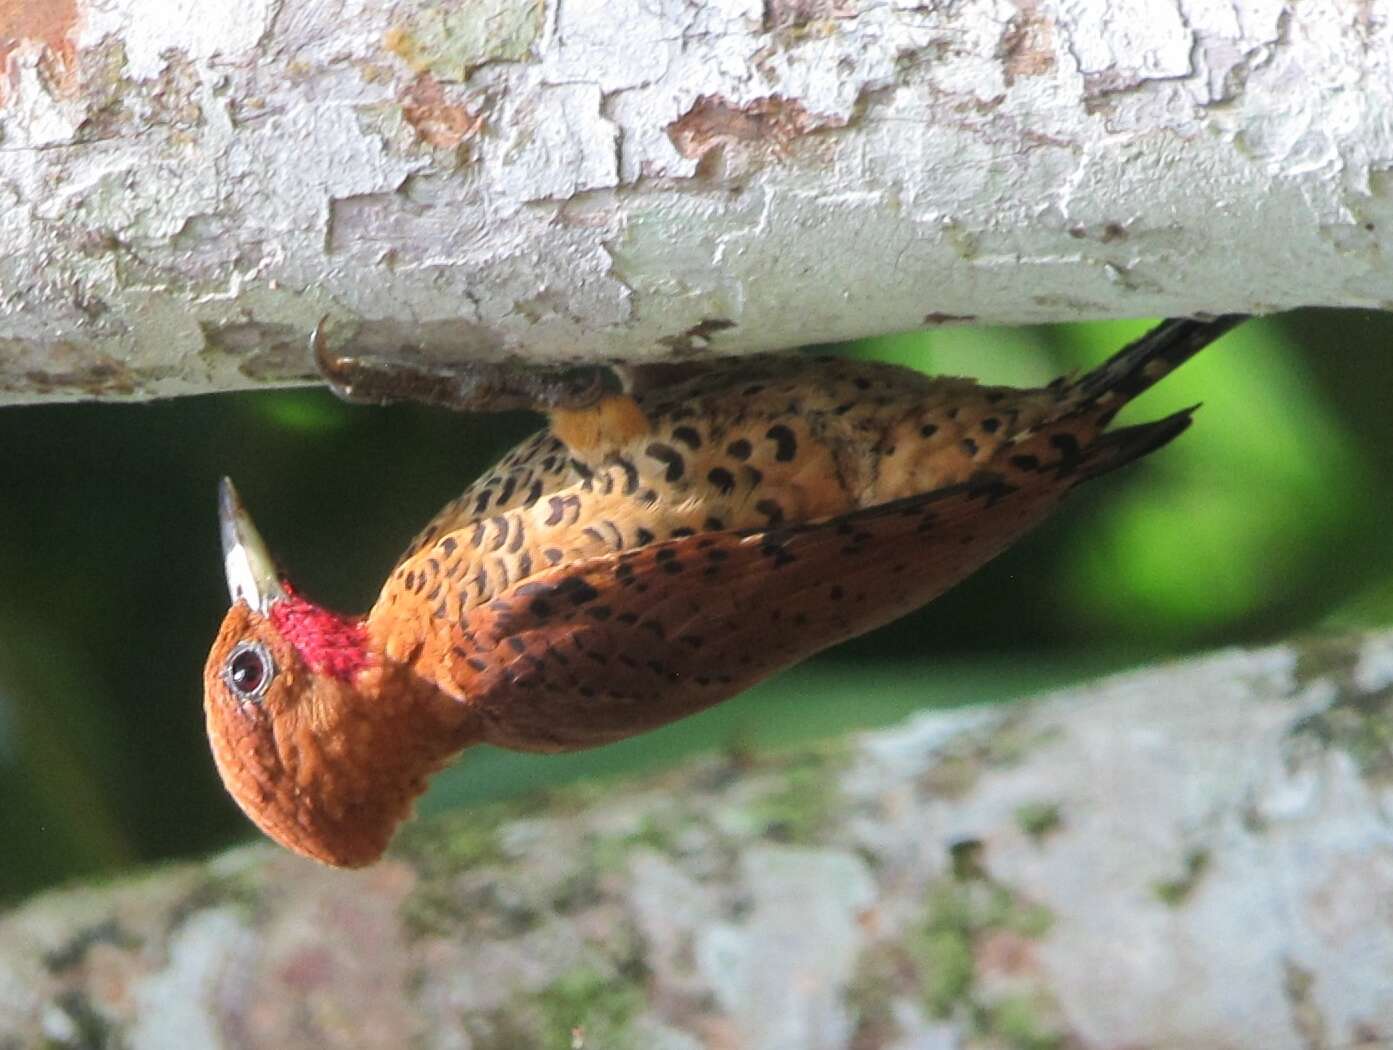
1194,855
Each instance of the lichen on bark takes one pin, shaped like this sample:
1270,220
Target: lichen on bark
1101,866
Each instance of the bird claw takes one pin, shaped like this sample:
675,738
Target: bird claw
462,385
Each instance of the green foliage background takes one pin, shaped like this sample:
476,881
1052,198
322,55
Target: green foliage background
1267,518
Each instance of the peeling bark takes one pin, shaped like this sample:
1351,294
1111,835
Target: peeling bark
186,189
1193,856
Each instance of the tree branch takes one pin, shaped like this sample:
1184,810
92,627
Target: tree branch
185,190
1195,855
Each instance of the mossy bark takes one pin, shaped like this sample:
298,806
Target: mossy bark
1196,855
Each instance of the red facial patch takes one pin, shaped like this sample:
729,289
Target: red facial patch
329,643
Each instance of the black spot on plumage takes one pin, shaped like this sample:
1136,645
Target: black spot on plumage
990,425
476,538
739,449
776,538
778,554
1069,455
969,446
508,488
556,510
642,537
666,554
717,554
630,474
434,592
477,664
525,564
753,476
681,533
669,457
534,493
785,444
688,436
771,510
713,524
410,581
501,527
448,545
721,479
482,503
576,590
553,555
582,470
540,608
647,497
1025,462
519,534
517,644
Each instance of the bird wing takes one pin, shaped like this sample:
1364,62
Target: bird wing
605,648
612,646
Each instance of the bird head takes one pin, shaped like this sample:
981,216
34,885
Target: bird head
321,741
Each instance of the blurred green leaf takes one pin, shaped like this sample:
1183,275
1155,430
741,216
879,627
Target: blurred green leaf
1234,513
1006,356
302,411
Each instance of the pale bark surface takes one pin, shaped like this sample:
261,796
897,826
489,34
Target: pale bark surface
1194,856
185,188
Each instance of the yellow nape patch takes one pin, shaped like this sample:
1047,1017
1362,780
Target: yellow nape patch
615,420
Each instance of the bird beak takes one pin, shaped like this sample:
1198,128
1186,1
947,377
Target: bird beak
251,574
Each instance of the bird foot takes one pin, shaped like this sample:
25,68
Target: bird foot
463,385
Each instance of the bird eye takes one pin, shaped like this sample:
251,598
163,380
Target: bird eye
249,670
